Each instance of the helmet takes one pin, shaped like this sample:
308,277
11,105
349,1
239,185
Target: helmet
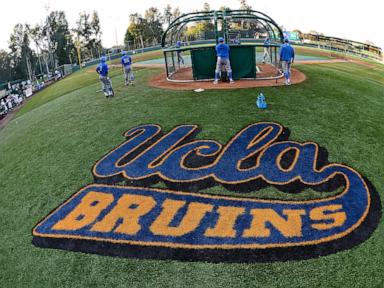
221,39
103,59
178,43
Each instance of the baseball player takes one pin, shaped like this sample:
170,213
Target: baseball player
126,64
267,42
102,70
180,58
287,56
222,52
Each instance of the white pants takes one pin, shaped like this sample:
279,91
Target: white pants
180,58
286,65
266,53
223,61
105,84
127,73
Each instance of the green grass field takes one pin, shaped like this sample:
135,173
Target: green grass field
48,149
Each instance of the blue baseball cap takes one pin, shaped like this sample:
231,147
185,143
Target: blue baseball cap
286,40
103,59
221,39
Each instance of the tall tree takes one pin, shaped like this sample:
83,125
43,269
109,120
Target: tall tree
136,29
244,5
154,25
222,8
196,31
83,32
206,7
176,13
5,66
207,27
21,54
59,35
167,14
129,40
36,34
96,34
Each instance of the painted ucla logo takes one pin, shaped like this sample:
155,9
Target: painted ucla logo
123,215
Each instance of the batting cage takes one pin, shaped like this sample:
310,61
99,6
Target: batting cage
254,39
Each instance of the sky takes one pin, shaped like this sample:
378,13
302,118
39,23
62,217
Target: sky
355,20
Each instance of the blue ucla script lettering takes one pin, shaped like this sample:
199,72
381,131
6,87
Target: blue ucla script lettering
171,158
166,158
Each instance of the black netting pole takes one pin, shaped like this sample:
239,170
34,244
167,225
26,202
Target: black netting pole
166,63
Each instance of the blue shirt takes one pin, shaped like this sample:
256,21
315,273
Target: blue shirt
222,50
102,69
287,53
126,60
267,42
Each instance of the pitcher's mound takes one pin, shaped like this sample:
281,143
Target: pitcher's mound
160,81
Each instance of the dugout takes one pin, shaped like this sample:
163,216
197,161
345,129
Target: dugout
245,32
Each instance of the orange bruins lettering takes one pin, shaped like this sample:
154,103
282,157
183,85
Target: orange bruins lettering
289,224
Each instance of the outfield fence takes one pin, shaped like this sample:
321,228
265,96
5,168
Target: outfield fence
333,44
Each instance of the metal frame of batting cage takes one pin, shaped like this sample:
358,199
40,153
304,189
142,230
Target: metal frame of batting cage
175,29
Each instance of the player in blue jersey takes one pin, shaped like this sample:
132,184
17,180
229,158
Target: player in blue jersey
287,56
180,58
126,64
102,70
222,52
267,43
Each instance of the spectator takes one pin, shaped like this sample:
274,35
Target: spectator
3,106
9,103
57,75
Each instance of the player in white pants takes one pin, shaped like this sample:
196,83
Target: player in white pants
267,42
102,70
126,64
287,56
222,52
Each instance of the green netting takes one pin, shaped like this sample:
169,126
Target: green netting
242,61
203,63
